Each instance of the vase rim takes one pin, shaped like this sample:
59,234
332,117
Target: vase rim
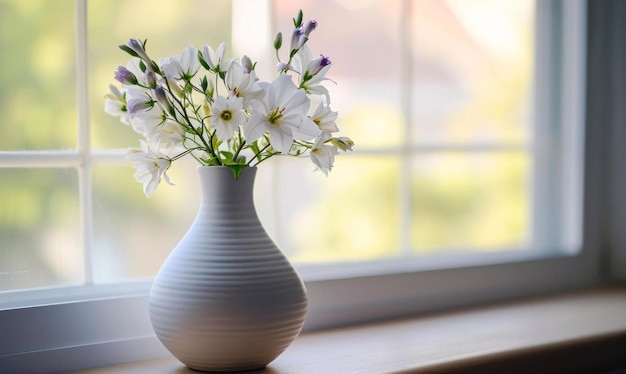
220,167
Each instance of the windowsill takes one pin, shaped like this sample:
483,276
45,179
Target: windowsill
585,331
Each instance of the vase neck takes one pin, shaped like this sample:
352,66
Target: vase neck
220,187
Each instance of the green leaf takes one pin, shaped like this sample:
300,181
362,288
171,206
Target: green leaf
227,156
128,50
297,22
236,169
202,62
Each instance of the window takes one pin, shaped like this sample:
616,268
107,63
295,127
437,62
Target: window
465,198
442,113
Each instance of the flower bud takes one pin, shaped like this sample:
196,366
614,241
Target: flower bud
151,79
125,76
137,47
344,143
278,41
210,88
247,64
161,97
310,27
297,38
175,88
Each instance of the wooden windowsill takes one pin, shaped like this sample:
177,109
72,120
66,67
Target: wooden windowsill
577,332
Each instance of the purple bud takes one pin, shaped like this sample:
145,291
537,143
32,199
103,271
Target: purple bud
124,76
151,78
161,97
297,38
137,46
310,27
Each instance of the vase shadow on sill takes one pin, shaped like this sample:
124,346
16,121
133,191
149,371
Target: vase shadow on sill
182,369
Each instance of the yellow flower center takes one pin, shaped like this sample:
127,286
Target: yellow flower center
226,115
276,116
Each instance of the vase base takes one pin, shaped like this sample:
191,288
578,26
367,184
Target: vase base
229,370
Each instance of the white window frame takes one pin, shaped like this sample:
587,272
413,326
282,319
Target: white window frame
71,328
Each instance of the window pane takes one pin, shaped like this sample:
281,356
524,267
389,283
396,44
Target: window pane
473,69
37,78
350,215
38,228
362,39
133,234
169,26
476,201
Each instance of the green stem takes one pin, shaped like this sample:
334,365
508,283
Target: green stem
241,145
180,108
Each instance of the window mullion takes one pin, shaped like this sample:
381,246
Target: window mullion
84,143
406,84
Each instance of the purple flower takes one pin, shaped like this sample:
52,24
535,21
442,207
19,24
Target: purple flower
125,76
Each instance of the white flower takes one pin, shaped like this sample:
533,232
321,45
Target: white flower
215,59
323,155
184,66
145,122
242,84
325,118
115,105
227,115
138,100
217,110
151,167
313,72
170,137
280,113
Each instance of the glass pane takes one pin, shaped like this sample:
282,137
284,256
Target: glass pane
477,201
351,215
170,27
133,234
473,69
37,78
39,227
363,40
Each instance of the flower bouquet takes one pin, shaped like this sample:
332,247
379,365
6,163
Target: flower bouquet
219,112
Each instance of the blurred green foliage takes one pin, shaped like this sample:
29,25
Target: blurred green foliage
477,201
37,75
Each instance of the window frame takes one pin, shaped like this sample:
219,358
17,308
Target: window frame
72,328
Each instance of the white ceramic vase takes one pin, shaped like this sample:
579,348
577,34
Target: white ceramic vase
226,298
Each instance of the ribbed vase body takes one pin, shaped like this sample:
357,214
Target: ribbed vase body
226,298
